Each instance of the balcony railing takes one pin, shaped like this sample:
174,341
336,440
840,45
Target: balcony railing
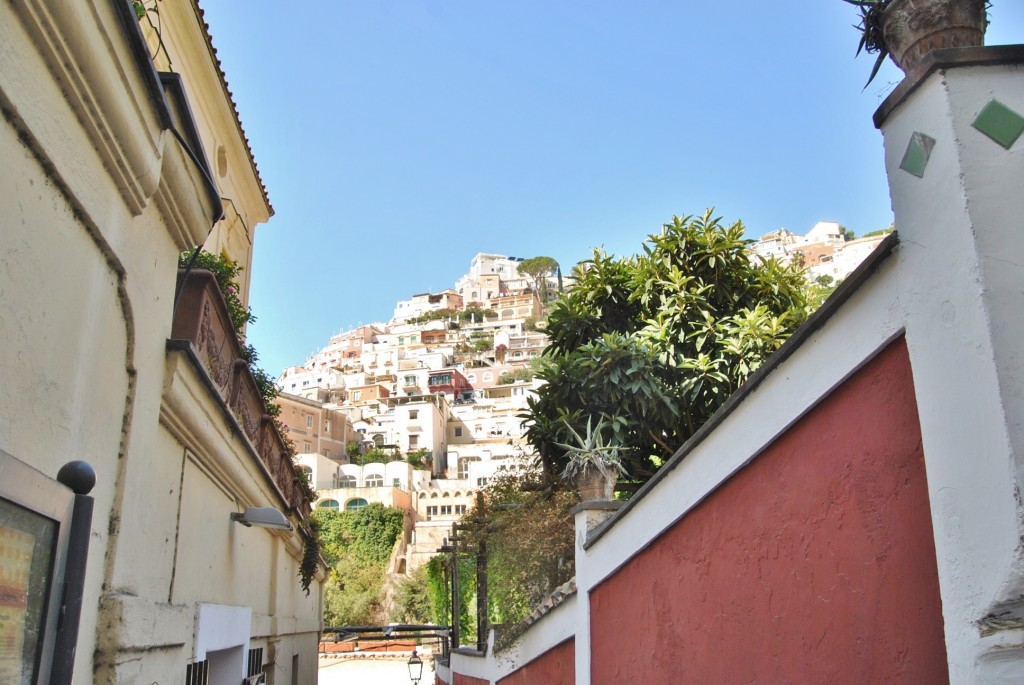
202,319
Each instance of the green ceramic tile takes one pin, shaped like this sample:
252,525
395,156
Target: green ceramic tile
1000,123
919,149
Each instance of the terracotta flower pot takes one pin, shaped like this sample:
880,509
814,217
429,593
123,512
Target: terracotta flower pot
913,28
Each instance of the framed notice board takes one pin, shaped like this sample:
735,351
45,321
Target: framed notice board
35,518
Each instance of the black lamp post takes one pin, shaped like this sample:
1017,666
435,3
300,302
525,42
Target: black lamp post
415,668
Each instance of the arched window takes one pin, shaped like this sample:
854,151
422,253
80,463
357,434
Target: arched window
347,481
355,504
464,466
306,470
328,504
374,481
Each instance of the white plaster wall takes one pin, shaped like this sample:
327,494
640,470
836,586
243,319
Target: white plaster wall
962,295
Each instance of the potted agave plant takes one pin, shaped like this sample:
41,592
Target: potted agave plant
593,465
907,30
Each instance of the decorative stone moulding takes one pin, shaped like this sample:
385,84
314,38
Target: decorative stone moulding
202,318
913,28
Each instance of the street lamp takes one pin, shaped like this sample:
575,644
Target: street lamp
415,668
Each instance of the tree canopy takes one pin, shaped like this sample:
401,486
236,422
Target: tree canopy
538,270
356,545
655,343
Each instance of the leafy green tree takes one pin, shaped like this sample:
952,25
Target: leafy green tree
847,234
538,270
356,546
655,343
413,599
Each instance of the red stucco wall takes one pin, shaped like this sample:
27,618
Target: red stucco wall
814,564
459,679
555,667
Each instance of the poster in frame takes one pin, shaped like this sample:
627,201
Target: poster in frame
35,519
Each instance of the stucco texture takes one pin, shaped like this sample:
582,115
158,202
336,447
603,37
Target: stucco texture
815,563
557,666
459,679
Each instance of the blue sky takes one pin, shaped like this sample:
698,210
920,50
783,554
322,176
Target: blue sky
397,139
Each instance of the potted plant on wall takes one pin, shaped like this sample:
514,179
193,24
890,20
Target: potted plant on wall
907,30
593,465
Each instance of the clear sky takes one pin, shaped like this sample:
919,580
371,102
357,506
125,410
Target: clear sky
398,138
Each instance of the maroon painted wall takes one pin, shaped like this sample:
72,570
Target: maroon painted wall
814,564
459,679
557,666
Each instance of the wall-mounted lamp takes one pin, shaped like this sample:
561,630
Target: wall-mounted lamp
262,517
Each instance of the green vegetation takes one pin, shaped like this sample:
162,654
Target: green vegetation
528,530
655,343
523,374
538,270
356,546
434,316
421,458
413,599
376,455
226,272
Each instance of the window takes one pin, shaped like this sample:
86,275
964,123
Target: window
346,481
414,441
396,482
309,421
306,447
255,665
480,482
327,453
328,504
197,673
464,463
441,379
446,510
357,395
374,481
460,509
488,376
413,414
410,380
327,426
431,511
355,504
458,431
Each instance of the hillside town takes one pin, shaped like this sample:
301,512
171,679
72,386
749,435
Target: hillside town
792,459
439,389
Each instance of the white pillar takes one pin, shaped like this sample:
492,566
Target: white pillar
956,176
588,516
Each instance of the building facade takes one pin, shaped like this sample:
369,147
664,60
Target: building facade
114,163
